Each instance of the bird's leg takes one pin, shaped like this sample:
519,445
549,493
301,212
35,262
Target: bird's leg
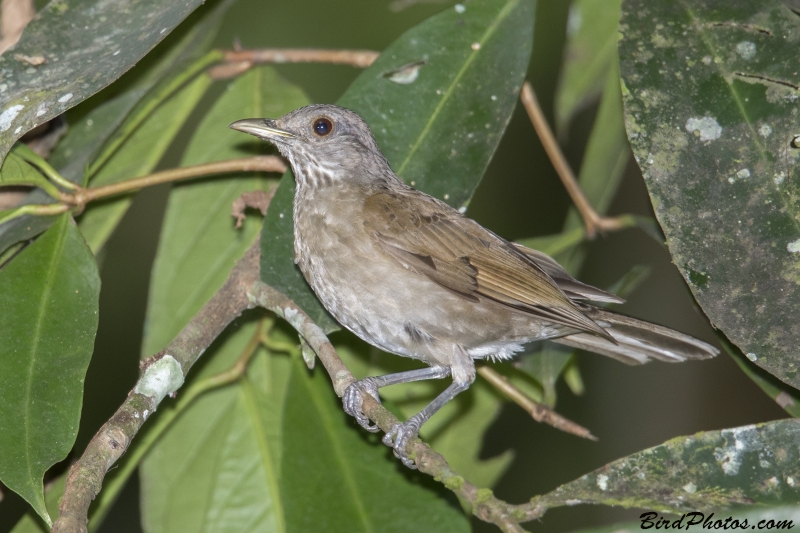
400,434
351,400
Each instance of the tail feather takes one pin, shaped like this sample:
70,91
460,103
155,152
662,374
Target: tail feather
637,341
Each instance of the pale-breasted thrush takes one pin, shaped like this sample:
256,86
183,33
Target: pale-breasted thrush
413,276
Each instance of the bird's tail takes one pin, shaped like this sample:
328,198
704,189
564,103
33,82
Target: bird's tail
637,341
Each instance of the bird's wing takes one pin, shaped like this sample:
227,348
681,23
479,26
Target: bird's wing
573,288
432,239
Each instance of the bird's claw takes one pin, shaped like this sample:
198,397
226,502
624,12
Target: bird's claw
397,438
352,400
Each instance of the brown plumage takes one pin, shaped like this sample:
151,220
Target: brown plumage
414,277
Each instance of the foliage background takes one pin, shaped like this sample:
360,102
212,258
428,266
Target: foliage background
628,408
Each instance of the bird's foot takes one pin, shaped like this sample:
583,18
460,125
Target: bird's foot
352,400
398,437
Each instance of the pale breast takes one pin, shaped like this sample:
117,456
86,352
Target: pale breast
384,303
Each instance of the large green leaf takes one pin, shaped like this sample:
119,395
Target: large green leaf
138,156
709,471
336,480
438,123
49,299
216,469
99,117
81,52
199,243
589,54
711,95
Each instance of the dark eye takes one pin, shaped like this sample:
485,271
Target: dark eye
323,126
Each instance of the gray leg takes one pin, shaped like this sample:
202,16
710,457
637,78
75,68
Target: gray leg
352,395
402,433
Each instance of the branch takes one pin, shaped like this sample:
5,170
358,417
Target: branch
591,219
264,163
239,61
162,374
538,411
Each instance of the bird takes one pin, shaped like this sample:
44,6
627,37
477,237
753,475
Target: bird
413,276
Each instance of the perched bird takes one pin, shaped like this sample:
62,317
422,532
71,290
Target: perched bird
413,276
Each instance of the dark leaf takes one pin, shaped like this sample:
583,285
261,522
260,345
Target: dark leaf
710,471
711,95
82,52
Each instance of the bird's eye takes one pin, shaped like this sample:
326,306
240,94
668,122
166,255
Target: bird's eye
323,126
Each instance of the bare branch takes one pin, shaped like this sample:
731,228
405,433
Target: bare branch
591,219
538,411
264,163
238,61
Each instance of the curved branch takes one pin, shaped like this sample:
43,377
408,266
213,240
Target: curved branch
162,374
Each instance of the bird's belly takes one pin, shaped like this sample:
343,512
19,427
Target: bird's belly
398,310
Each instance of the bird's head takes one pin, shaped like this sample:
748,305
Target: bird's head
324,144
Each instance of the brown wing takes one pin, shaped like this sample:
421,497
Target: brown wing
436,241
573,288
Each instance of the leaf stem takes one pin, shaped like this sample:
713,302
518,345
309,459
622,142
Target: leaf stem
33,209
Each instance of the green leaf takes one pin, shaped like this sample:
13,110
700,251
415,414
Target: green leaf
30,522
103,113
81,52
710,108
216,469
138,157
17,171
590,52
461,101
334,479
710,471
199,243
49,296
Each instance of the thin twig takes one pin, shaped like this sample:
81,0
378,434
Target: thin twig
264,163
538,411
237,61
591,219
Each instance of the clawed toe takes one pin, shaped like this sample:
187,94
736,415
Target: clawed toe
397,438
352,400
